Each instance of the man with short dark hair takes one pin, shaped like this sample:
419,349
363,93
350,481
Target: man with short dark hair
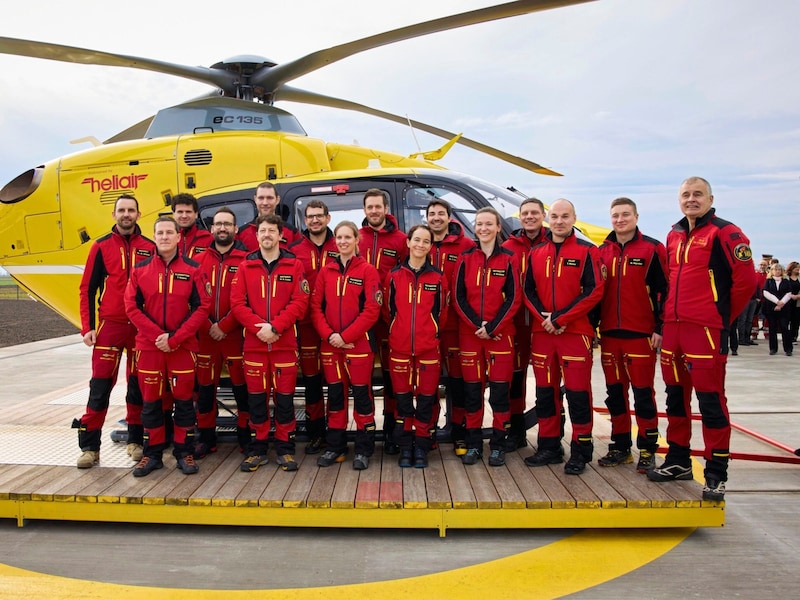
267,201
315,247
220,336
631,314
449,243
521,241
193,240
108,331
383,245
270,294
168,299
711,280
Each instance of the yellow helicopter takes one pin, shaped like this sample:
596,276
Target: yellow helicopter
220,147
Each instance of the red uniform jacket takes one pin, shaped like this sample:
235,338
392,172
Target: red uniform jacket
565,280
275,293
383,249
415,307
194,241
169,298
487,289
636,285
520,244
347,300
108,268
247,235
444,255
314,258
711,274
220,271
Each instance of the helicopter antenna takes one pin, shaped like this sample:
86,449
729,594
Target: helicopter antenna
414,135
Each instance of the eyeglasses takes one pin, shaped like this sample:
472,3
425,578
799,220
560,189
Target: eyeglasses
316,217
226,224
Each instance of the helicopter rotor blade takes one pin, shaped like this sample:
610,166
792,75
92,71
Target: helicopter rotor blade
291,94
272,78
218,77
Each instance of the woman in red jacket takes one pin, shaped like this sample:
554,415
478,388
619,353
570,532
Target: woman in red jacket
416,308
345,305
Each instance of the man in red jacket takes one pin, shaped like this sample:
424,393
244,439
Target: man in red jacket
383,245
270,294
531,216
315,247
221,336
106,329
167,299
711,279
267,201
631,315
564,282
449,243
193,240
486,297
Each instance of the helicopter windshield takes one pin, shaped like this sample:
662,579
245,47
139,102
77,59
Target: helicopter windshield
222,114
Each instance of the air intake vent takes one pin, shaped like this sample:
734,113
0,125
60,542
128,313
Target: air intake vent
195,158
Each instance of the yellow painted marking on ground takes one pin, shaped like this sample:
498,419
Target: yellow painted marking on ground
549,572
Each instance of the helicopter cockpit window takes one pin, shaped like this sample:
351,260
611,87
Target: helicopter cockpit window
416,202
221,117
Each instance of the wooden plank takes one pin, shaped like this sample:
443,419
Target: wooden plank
593,477
524,477
229,461
485,493
256,485
21,488
297,494
507,489
413,488
273,494
93,489
391,490
344,492
435,480
552,486
368,491
687,494
9,474
70,490
458,482
186,485
321,493
59,477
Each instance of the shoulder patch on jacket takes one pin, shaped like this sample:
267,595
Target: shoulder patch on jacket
742,252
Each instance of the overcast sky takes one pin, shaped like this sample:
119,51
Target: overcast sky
624,97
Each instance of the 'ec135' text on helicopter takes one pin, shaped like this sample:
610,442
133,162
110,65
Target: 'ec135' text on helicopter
219,148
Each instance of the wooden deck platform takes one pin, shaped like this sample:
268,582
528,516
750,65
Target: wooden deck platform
44,484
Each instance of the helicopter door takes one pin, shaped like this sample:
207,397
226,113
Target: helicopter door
416,198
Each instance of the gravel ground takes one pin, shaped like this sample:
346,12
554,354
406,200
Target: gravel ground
29,321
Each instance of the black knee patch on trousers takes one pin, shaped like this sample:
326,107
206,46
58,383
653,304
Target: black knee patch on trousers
643,402
335,396
498,396
362,401
580,406
675,405
711,410
184,413
152,415
615,400
545,402
206,398
284,408
473,397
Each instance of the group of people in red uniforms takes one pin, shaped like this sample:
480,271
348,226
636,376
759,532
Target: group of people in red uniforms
272,304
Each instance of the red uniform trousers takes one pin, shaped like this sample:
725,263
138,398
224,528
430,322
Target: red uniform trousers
344,370
416,376
450,349
630,362
160,372
112,338
309,342
482,362
694,356
381,331
267,374
519,380
211,357
568,355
